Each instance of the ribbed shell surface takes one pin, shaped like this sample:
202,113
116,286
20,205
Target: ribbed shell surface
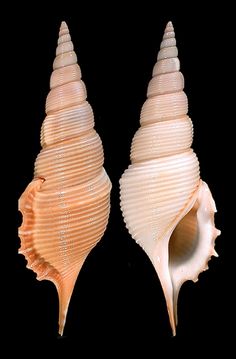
164,173
66,207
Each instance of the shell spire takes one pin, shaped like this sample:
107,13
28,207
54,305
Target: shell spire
66,206
167,208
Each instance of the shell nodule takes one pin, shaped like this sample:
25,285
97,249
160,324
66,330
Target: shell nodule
66,207
167,208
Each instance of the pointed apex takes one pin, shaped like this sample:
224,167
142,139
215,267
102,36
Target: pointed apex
63,29
169,32
65,54
169,27
63,25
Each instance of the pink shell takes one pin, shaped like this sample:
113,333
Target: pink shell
66,206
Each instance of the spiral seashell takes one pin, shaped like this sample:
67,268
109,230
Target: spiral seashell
66,206
167,208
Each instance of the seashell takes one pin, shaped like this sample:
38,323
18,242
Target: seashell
66,206
167,208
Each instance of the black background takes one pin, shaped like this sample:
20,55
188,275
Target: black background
118,299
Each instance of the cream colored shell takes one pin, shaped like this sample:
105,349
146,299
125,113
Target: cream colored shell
66,206
167,209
